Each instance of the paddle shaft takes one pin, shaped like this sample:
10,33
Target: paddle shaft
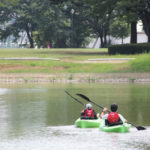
132,124
75,98
86,98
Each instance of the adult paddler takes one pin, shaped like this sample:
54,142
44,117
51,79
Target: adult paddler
112,118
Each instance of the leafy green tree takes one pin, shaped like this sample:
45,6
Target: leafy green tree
20,17
53,28
135,10
143,7
119,29
79,30
127,11
49,21
95,18
45,22
101,18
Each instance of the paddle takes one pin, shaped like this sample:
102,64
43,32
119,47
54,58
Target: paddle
87,99
75,98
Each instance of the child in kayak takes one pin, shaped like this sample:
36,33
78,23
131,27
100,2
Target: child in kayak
112,118
88,112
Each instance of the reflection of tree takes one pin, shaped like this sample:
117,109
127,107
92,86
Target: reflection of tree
140,104
25,110
56,108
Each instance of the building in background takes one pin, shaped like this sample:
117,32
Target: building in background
10,42
20,43
141,38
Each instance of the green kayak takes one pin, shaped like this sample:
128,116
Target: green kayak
117,128
88,123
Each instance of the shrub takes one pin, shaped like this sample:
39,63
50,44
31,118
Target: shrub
129,48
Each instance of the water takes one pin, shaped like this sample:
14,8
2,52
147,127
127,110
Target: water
41,117
69,137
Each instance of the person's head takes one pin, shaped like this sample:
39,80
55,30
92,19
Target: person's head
114,107
89,106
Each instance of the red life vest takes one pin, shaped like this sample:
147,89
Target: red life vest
89,112
113,117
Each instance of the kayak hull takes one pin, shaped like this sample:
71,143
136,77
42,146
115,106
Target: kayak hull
81,123
117,128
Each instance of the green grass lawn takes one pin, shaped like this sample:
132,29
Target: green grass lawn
70,61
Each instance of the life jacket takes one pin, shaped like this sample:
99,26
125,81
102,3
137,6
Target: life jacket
89,113
113,117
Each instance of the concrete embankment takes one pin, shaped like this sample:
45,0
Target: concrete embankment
76,78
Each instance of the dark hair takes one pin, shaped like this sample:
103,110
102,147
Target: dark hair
114,107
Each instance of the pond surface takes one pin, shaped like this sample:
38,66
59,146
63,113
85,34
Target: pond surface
41,117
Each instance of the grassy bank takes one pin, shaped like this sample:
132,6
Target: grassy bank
71,61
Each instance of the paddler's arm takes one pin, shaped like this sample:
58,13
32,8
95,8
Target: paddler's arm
122,118
82,112
105,110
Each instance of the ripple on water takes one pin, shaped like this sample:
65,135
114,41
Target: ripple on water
3,91
3,108
71,138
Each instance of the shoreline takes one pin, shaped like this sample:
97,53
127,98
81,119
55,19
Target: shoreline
75,78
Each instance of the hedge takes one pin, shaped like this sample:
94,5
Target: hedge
129,48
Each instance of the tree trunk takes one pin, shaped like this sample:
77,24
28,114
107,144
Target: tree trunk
148,35
105,40
144,15
133,33
122,40
102,42
29,34
95,43
146,25
31,42
149,38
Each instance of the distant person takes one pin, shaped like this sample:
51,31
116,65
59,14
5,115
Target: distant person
41,47
89,113
48,46
112,118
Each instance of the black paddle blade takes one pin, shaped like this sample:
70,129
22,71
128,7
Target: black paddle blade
140,128
83,96
86,98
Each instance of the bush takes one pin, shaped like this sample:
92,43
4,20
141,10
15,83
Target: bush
129,48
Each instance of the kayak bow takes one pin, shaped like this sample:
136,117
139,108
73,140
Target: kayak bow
88,123
125,127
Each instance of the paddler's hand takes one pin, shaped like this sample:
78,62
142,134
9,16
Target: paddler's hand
98,115
105,110
82,111
125,121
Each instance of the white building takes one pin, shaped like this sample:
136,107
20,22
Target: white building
9,42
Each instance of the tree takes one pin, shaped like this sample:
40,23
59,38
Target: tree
20,17
143,7
79,31
127,10
48,21
119,29
137,9
44,22
53,28
98,16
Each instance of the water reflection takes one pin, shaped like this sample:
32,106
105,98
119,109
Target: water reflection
43,116
27,107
